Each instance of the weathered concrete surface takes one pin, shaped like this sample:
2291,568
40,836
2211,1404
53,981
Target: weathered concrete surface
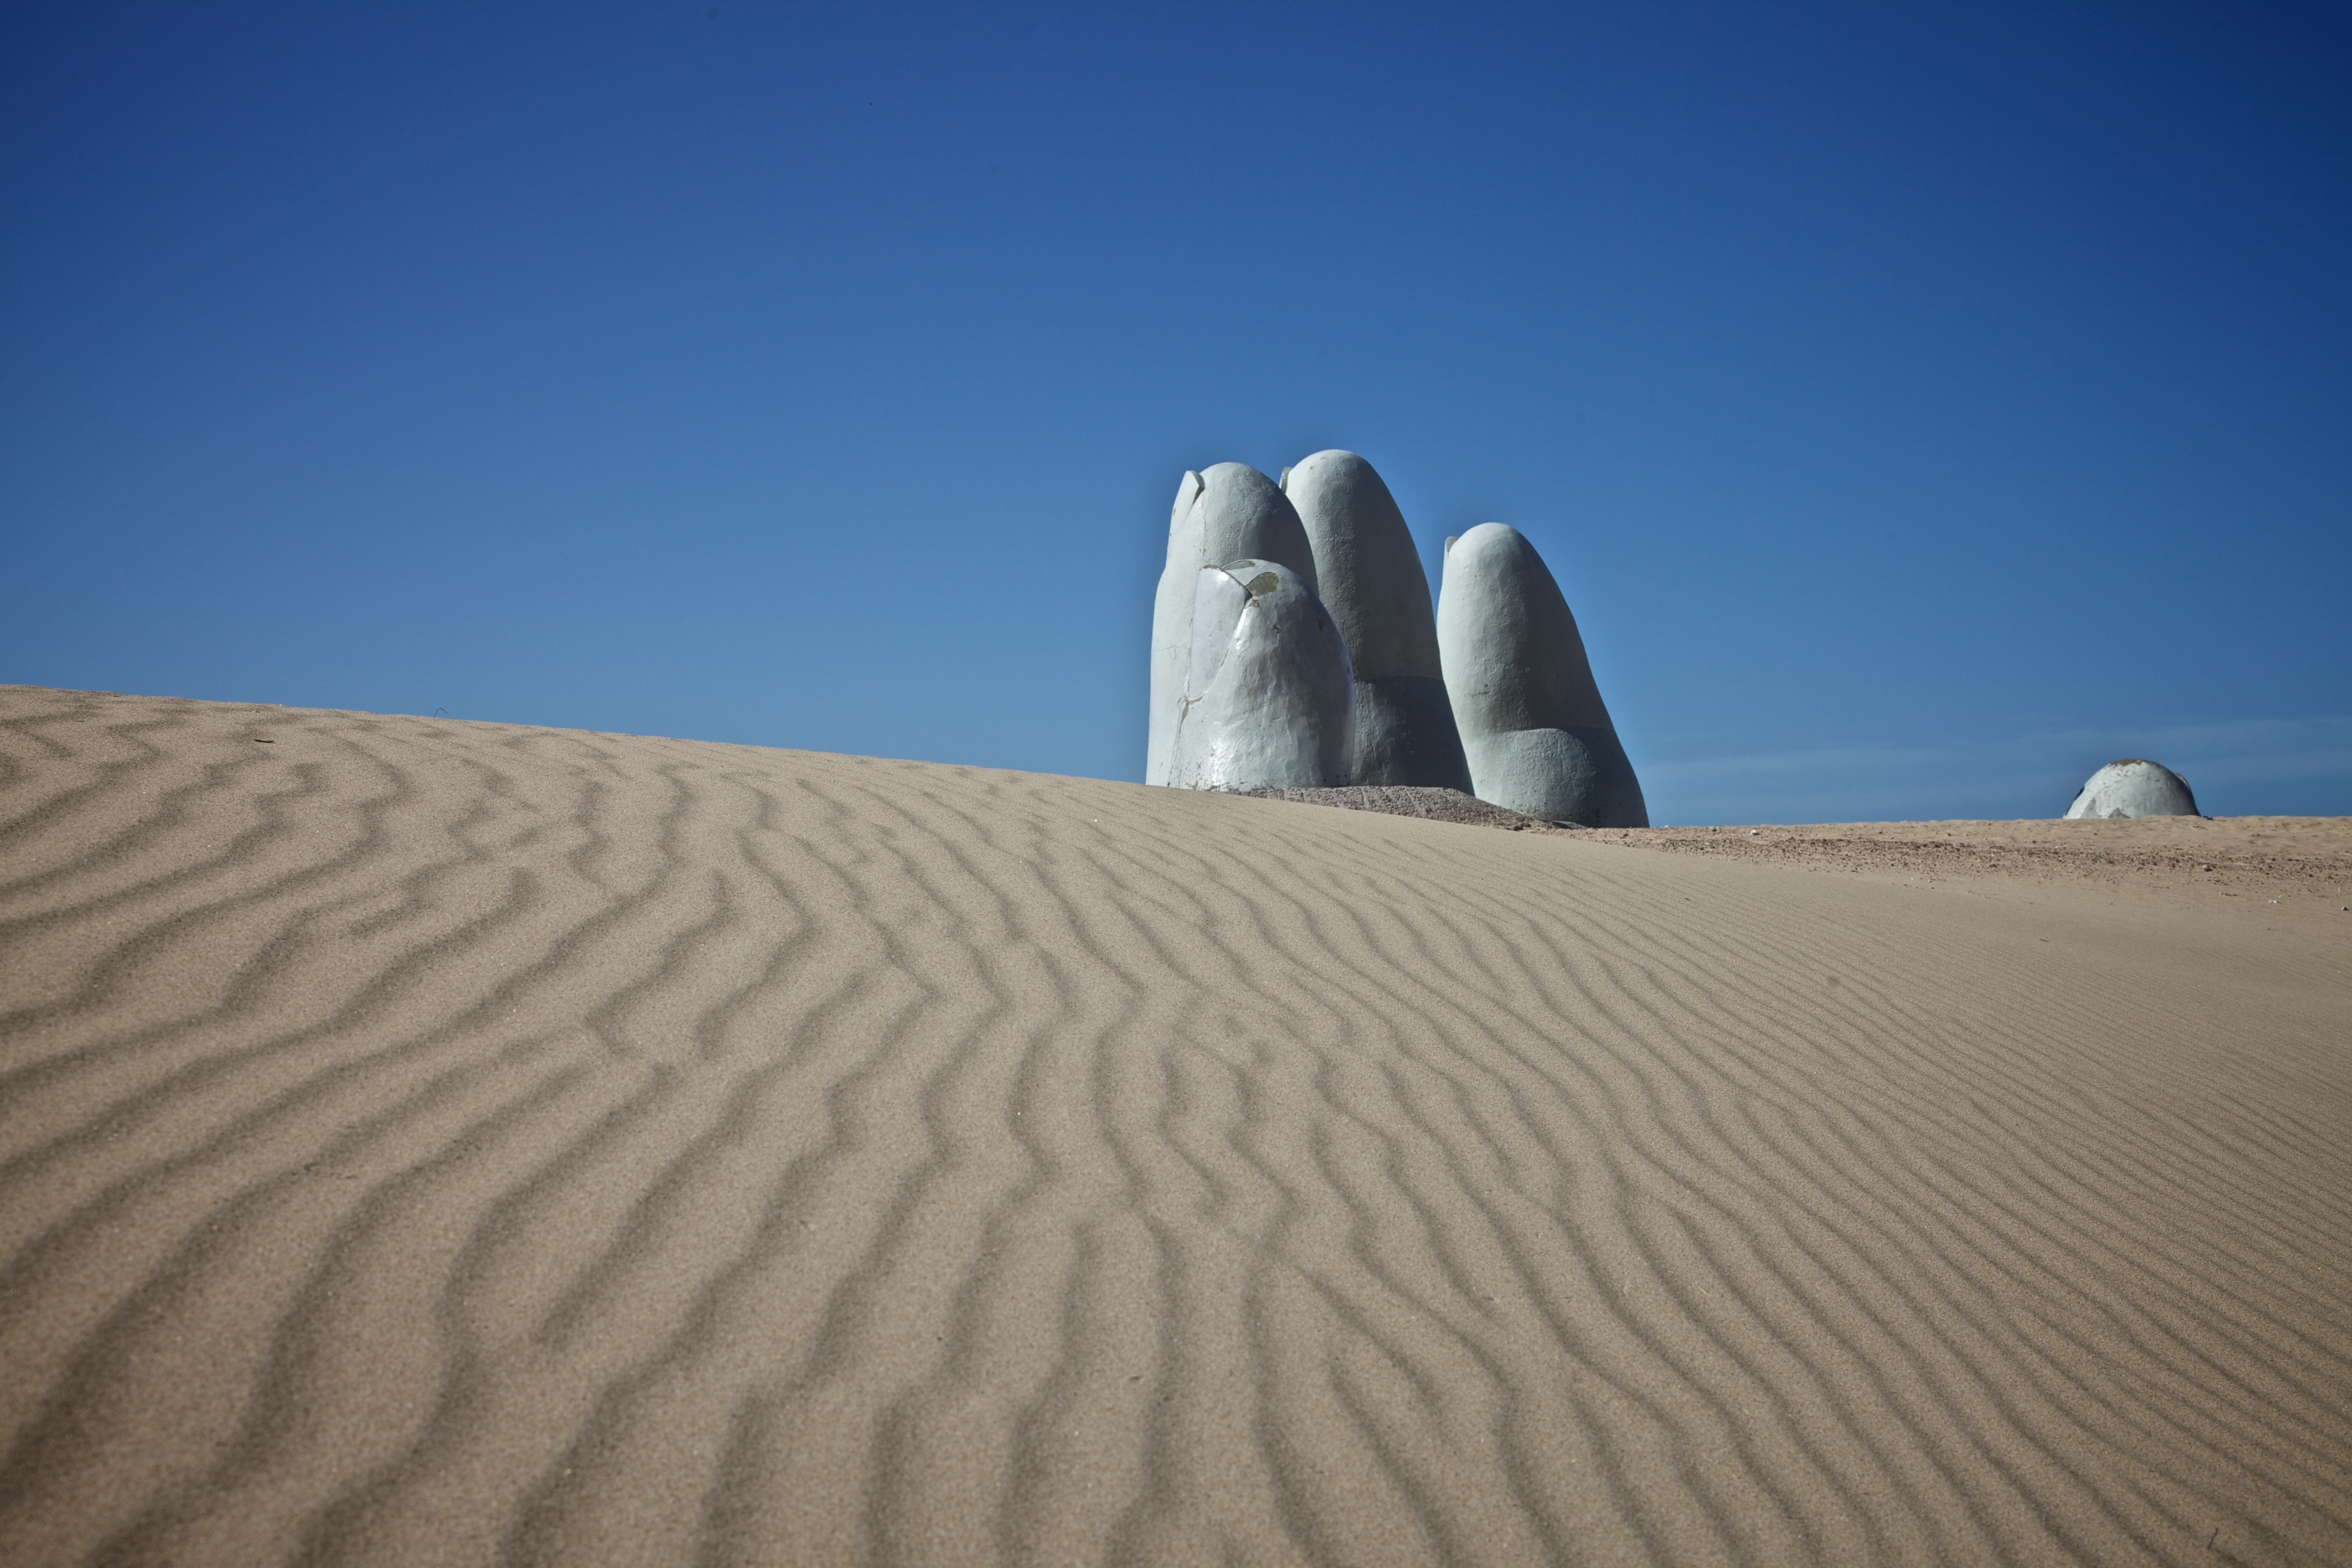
1228,511
2132,787
1267,702
1538,738
1405,735
1370,578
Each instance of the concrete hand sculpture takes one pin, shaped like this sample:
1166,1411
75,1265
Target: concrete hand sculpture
1268,700
1293,646
1537,734
2132,787
1228,511
1370,578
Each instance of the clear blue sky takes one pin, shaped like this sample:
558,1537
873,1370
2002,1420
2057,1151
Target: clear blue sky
1920,405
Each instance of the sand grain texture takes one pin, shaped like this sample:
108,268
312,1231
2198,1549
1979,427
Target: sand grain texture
425,1143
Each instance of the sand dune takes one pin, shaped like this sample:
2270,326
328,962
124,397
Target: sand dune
426,1142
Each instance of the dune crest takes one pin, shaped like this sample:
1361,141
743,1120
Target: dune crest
426,1142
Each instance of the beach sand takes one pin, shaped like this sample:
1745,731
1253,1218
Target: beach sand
426,1142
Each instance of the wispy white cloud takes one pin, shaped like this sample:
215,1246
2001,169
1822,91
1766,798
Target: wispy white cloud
2238,768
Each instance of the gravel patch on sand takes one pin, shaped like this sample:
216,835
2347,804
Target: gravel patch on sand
1434,805
2309,855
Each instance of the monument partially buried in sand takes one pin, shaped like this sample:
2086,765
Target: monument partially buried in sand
2132,787
1294,646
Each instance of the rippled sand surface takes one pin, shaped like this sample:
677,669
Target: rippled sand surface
426,1142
